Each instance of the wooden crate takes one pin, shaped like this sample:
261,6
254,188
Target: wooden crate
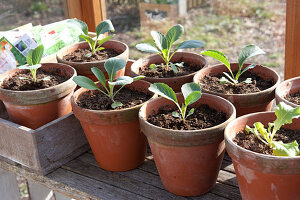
44,149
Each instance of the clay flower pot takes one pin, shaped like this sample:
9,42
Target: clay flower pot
114,135
84,68
188,162
285,88
263,176
34,108
174,82
245,103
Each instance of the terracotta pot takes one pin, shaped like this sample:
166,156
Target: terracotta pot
114,136
174,82
263,176
285,88
245,103
188,162
35,108
84,68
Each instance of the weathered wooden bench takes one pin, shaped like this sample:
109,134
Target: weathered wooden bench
82,178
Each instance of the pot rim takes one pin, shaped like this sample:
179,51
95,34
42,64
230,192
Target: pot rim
78,92
261,156
58,57
281,97
44,89
268,90
190,132
205,63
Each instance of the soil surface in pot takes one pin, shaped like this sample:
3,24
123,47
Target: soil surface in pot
23,81
162,72
203,117
250,142
80,55
212,83
95,100
294,98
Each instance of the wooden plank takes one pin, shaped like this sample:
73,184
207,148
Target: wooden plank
226,191
90,11
95,189
119,180
292,42
8,186
37,191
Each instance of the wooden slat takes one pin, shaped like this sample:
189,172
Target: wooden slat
91,12
8,186
292,42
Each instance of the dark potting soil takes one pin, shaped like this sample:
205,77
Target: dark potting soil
212,83
162,72
80,55
23,81
95,100
250,142
203,117
294,98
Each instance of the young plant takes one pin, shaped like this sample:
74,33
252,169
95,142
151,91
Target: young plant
95,45
111,66
247,52
162,45
284,114
33,59
191,93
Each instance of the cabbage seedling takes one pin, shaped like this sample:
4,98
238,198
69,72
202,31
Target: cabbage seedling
191,93
33,59
163,45
95,45
284,114
247,52
111,66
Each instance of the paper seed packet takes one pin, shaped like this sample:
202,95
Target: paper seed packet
10,56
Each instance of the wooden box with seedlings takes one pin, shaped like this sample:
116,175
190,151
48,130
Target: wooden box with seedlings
37,128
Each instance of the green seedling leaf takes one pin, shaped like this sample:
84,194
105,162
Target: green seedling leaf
30,67
230,78
88,55
100,42
99,75
248,81
158,38
164,91
179,64
175,114
147,48
123,80
249,51
34,56
191,92
247,68
224,80
260,127
82,25
89,40
153,67
85,82
285,114
99,48
191,44
47,78
218,56
138,78
255,132
174,68
116,104
281,149
174,34
104,26
190,112
113,65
